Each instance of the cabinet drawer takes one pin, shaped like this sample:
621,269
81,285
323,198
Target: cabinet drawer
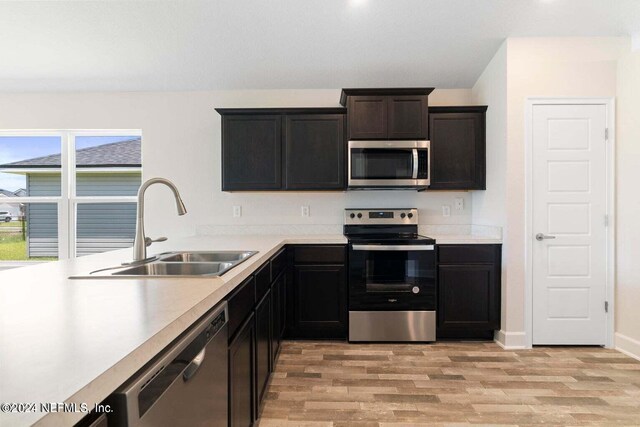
333,254
461,254
263,280
278,263
240,304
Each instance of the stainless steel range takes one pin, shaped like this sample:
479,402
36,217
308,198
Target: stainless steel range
392,276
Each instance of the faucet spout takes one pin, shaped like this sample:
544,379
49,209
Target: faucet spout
140,242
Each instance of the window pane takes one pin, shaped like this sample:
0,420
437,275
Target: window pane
104,227
28,232
108,165
30,166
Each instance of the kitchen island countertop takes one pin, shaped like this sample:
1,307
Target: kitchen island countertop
77,340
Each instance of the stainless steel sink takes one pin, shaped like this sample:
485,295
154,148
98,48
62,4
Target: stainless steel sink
177,269
177,264
226,256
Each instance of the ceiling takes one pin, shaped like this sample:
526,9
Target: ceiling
273,44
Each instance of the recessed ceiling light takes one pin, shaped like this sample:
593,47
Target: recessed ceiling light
356,3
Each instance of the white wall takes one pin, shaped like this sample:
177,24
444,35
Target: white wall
491,90
543,67
489,205
628,204
181,141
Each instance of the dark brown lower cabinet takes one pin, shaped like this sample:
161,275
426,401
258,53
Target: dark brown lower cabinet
241,376
277,315
468,290
319,301
263,347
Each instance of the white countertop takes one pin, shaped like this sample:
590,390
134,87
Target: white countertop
465,239
71,340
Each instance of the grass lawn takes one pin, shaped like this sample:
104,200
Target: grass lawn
13,248
11,224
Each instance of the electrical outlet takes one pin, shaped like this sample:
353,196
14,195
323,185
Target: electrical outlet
237,211
305,210
459,203
446,210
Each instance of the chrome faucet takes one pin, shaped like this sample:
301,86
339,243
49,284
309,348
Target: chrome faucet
141,241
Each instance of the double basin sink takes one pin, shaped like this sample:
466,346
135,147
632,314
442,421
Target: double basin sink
178,264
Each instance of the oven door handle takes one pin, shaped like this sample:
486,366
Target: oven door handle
415,163
393,247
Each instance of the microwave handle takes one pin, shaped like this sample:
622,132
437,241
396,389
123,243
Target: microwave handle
415,163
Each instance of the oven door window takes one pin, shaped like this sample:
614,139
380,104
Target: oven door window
381,163
396,271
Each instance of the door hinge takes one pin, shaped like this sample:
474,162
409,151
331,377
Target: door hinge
606,134
606,220
606,306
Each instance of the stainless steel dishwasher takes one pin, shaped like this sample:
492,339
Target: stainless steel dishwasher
186,385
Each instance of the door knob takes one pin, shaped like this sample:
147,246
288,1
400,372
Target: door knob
541,236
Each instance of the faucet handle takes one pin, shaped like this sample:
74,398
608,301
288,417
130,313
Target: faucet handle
148,240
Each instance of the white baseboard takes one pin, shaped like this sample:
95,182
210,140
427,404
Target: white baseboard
510,340
627,345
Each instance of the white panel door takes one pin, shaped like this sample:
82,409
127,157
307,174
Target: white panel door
569,208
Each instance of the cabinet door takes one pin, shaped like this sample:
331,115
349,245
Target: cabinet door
263,346
251,152
367,117
468,297
241,376
277,316
315,150
283,305
457,151
320,305
407,117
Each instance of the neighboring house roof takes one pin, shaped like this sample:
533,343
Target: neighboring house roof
115,154
7,193
21,192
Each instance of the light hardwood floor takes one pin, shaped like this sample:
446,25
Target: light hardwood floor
450,383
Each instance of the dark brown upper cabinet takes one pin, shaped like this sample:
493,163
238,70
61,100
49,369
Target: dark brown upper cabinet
315,152
397,113
458,147
368,117
251,152
271,149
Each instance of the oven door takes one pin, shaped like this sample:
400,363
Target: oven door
392,277
388,164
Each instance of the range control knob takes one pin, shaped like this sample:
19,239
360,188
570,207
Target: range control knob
352,215
359,215
402,215
415,289
410,215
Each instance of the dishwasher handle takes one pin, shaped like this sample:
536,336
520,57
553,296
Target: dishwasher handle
193,367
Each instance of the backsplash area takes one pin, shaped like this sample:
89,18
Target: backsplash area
327,209
281,213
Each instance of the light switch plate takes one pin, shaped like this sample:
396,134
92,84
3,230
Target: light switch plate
305,210
458,203
446,210
237,211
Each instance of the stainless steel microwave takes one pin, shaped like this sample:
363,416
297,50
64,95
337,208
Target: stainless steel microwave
389,164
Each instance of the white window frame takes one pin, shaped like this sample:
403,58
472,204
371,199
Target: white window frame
68,201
